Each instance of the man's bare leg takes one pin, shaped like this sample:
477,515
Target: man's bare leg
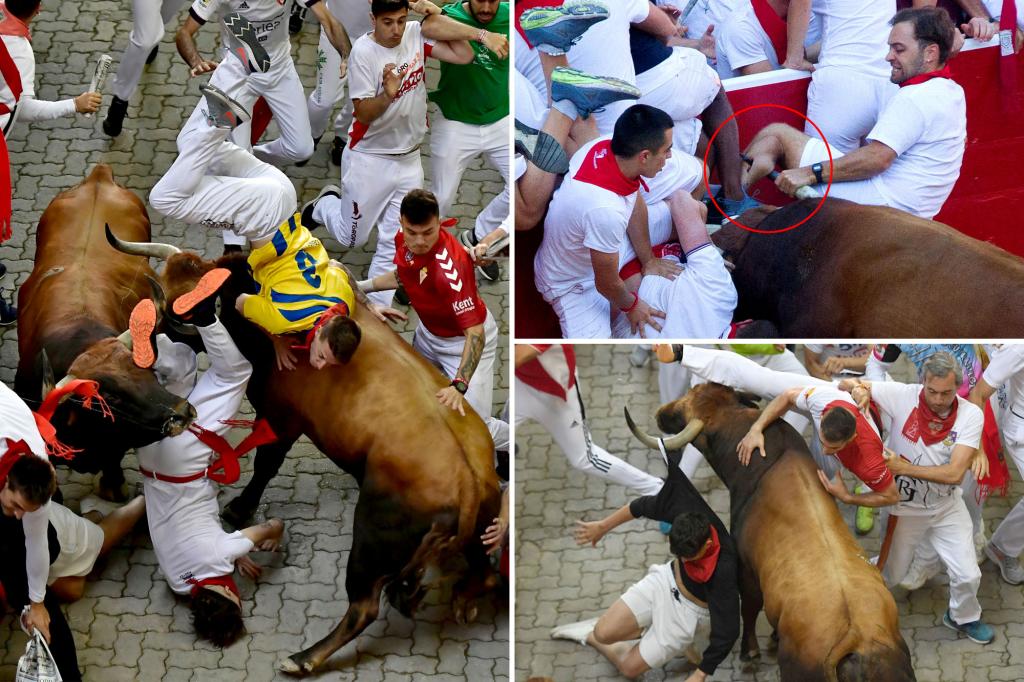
775,143
689,218
612,636
726,151
120,522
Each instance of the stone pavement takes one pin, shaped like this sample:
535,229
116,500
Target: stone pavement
558,582
129,626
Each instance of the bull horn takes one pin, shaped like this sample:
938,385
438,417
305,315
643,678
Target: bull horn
676,442
126,338
159,299
68,378
47,371
153,249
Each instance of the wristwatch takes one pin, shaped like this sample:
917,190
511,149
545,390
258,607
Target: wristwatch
460,384
818,175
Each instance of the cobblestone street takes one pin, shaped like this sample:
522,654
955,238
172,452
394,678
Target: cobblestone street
558,582
129,625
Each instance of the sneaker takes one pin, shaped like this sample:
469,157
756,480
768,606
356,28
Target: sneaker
468,239
918,574
141,325
300,164
152,55
489,273
976,631
735,207
865,517
224,112
337,149
640,356
3,270
541,149
114,121
8,313
197,306
1009,567
307,208
245,44
589,93
577,632
553,30
665,527
401,296
297,18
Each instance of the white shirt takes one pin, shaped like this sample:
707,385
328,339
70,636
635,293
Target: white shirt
581,217
269,19
995,10
1004,370
814,400
29,108
917,496
403,124
839,350
855,34
742,41
926,125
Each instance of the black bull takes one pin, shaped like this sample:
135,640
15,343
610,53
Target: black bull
835,619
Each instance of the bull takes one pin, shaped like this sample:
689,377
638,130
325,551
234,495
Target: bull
73,307
856,271
427,483
834,617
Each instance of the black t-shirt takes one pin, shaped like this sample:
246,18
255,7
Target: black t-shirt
647,51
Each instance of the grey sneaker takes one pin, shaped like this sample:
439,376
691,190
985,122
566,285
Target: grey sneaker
245,44
307,208
222,111
1009,567
541,149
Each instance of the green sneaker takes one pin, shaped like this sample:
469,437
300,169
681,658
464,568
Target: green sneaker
865,515
554,30
589,93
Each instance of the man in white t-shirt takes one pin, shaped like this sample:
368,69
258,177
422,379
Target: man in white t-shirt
914,151
933,439
744,46
833,361
386,80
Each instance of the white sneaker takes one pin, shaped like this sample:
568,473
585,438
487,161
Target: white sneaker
94,503
1009,567
577,632
918,574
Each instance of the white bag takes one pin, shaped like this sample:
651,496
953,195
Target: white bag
37,664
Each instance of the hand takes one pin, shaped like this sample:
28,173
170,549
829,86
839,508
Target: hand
478,253
789,181
588,531
450,397
87,103
385,314
672,11
642,315
39,618
862,396
834,365
897,465
201,67
496,43
754,440
662,267
495,534
284,353
706,44
798,64
979,464
248,567
980,28
392,81
665,352
835,487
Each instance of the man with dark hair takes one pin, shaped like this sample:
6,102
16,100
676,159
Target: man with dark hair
455,332
700,585
913,153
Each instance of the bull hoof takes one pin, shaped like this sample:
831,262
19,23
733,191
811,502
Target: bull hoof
465,612
236,514
292,667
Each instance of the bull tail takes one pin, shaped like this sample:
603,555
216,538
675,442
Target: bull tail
844,663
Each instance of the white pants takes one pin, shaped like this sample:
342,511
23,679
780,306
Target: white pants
949,532
80,543
149,17
372,189
671,620
531,106
682,86
859,191
453,145
445,353
564,420
845,103
494,215
219,185
1009,536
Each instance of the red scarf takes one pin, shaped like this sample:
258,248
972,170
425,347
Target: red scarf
12,26
600,168
222,580
225,469
944,72
926,425
336,310
633,267
998,479
702,569
774,26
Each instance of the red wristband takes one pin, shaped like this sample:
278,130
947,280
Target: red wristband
636,302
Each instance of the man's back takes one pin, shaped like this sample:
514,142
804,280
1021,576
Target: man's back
854,33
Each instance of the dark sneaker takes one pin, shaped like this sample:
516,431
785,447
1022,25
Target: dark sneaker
554,30
223,112
589,93
3,270
490,272
401,296
307,208
337,149
976,631
296,19
114,121
8,313
541,149
199,305
468,238
245,44
300,164
141,325
152,55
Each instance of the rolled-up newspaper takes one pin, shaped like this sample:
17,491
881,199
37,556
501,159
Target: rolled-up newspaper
99,76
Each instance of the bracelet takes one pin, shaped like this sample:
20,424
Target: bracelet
460,385
481,35
636,302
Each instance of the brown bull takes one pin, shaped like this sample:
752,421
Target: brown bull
856,271
428,487
835,618
74,305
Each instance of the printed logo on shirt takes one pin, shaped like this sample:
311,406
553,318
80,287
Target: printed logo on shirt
423,272
599,155
465,305
414,69
950,439
448,267
244,5
188,577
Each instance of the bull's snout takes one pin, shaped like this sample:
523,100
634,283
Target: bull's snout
183,415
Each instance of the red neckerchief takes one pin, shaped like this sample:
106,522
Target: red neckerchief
338,309
600,168
227,456
702,569
774,26
944,72
998,479
633,267
86,389
926,425
222,580
9,25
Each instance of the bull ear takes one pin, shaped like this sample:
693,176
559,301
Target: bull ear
47,371
749,399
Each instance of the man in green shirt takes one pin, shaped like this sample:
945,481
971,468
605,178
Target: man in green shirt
473,118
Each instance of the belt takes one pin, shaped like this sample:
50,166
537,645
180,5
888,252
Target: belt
173,479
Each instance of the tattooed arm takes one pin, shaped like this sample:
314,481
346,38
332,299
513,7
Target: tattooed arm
472,351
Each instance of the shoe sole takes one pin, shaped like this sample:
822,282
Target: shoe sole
141,325
207,286
233,108
999,565
255,56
